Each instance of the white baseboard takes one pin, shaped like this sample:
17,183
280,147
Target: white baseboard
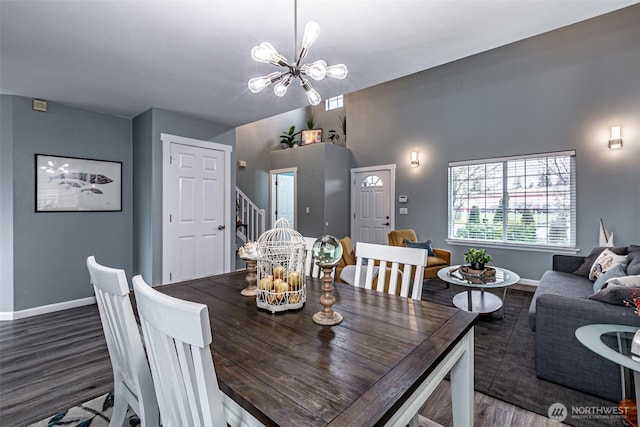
50,308
529,282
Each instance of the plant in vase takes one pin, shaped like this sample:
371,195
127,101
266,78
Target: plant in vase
288,139
477,258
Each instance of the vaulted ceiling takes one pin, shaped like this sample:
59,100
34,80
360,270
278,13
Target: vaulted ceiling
123,57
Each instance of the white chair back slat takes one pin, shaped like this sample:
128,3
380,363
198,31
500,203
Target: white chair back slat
310,267
390,258
178,336
133,385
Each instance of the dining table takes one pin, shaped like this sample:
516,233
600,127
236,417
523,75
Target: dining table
377,367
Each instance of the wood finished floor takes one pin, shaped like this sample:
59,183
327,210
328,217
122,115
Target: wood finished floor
55,361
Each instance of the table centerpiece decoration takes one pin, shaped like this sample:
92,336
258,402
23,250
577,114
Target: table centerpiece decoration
280,268
327,251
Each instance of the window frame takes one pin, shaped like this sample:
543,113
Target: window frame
337,100
569,247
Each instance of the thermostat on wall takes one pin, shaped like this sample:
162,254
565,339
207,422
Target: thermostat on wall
402,199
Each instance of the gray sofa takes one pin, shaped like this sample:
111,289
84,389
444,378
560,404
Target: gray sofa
560,305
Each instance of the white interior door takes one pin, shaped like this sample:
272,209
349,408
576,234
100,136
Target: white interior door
197,218
283,195
372,195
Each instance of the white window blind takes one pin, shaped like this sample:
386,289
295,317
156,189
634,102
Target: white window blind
525,200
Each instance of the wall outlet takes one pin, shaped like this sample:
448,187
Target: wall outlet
306,209
404,211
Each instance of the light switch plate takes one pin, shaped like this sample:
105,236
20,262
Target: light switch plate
404,211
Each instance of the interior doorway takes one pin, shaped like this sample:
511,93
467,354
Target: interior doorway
283,195
372,196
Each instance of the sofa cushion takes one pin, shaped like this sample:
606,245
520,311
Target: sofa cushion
559,283
606,261
435,261
420,245
629,281
616,271
633,266
584,269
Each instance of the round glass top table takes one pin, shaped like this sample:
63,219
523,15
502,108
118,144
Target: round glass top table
591,336
475,298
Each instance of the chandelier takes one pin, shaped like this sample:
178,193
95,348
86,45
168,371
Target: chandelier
317,70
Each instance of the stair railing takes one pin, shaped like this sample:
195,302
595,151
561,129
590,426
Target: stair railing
250,220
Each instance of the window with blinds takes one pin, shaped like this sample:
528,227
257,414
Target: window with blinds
524,200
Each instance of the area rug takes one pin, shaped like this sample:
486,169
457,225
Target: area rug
94,413
505,363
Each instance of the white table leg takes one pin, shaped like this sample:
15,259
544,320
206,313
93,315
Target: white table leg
462,385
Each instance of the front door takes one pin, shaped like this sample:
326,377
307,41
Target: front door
372,193
197,218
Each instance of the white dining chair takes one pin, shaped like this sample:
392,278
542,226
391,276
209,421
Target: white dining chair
394,262
310,267
177,334
133,386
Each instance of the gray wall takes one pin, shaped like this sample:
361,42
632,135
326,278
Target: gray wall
322,186
254,142
6,203
561,90
147,159
50,249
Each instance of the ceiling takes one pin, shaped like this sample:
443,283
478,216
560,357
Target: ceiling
124,57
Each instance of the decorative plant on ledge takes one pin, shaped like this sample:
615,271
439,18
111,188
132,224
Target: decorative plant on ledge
289,138
333,136
477,258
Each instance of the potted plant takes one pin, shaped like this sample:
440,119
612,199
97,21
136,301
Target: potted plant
311,121
477,258
333,136
288,139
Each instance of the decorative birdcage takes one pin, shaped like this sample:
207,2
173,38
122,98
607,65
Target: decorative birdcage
281,259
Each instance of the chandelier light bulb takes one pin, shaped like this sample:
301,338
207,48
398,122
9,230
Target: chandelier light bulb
316,70
266,53
256,84
311,33
314,97
338,71
280,89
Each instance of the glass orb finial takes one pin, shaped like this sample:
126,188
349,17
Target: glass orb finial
327,250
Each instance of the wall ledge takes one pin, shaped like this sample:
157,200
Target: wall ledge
50,308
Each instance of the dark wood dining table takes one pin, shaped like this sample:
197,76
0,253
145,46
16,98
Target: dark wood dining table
377,367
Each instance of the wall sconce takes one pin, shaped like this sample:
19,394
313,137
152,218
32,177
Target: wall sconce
414,159
615,142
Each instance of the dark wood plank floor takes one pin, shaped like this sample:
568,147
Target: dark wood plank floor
51,362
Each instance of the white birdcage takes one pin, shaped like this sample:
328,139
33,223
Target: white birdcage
281,259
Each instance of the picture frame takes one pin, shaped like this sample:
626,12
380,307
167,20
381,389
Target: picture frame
75,184
311,136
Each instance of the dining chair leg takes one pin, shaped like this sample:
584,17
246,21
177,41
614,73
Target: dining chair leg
120,407
149,415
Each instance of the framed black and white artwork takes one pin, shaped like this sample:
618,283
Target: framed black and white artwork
72,184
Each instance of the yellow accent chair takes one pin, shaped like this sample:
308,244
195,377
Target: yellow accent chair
441,259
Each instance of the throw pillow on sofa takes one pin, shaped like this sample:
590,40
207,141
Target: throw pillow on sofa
618,290
420,245
612,273
584,269
606,261
614,294
633,267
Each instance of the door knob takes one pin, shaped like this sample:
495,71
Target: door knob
221,227
385,223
